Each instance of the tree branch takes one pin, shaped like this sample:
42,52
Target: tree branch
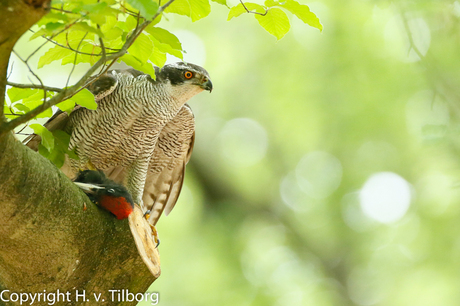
33,86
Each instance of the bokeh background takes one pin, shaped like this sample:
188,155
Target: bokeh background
326,168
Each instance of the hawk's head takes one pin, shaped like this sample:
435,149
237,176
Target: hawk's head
185,76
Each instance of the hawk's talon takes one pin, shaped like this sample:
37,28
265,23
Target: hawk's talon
155,235
147,215
152,227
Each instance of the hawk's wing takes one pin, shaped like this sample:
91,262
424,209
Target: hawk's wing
167,166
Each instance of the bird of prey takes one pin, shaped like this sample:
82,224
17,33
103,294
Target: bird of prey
142,133
106,193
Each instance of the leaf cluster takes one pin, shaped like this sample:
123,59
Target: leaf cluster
272,17
101,32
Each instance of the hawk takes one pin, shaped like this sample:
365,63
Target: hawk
141,135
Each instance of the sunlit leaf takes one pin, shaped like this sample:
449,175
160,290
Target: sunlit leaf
142,48
223,2
54,54
47,136
48,30
51,17
145,67
100,11
66,106
147,8
21,108
84,98
239,9
165,37
276,22
158,57
16,94
195,9
85,27
130,23
165,41
300,10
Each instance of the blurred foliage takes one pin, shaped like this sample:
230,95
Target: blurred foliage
260,223
326,165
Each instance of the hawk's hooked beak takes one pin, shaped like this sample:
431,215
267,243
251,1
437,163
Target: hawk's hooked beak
207,85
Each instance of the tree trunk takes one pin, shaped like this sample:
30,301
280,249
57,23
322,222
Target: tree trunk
49,241
52,238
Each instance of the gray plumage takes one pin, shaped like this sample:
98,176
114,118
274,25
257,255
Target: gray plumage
141,134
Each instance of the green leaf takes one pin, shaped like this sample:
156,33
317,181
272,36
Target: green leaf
302,11
165,41
100,11
195,9
47,136
16,94
158,58
61,137
142,48
165,37
83,58
223,2
66,106
239,9
51,16
54,54
61,143
54,26
85,27
113,33
37,34
6,110
276,22
136,64
84,98
60,149
21,108
147,8
43,151
130,23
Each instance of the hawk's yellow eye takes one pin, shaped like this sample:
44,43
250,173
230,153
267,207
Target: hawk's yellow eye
188,74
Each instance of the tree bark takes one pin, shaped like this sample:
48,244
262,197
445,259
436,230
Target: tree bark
51,236
48,241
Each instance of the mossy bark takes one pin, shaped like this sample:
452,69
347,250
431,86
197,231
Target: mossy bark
51,236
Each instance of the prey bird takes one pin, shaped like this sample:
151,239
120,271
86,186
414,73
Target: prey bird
106,193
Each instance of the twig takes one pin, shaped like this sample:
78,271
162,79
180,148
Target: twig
33,86
19,132
30,69
75,59
70,48
64,11
253,12
58,33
